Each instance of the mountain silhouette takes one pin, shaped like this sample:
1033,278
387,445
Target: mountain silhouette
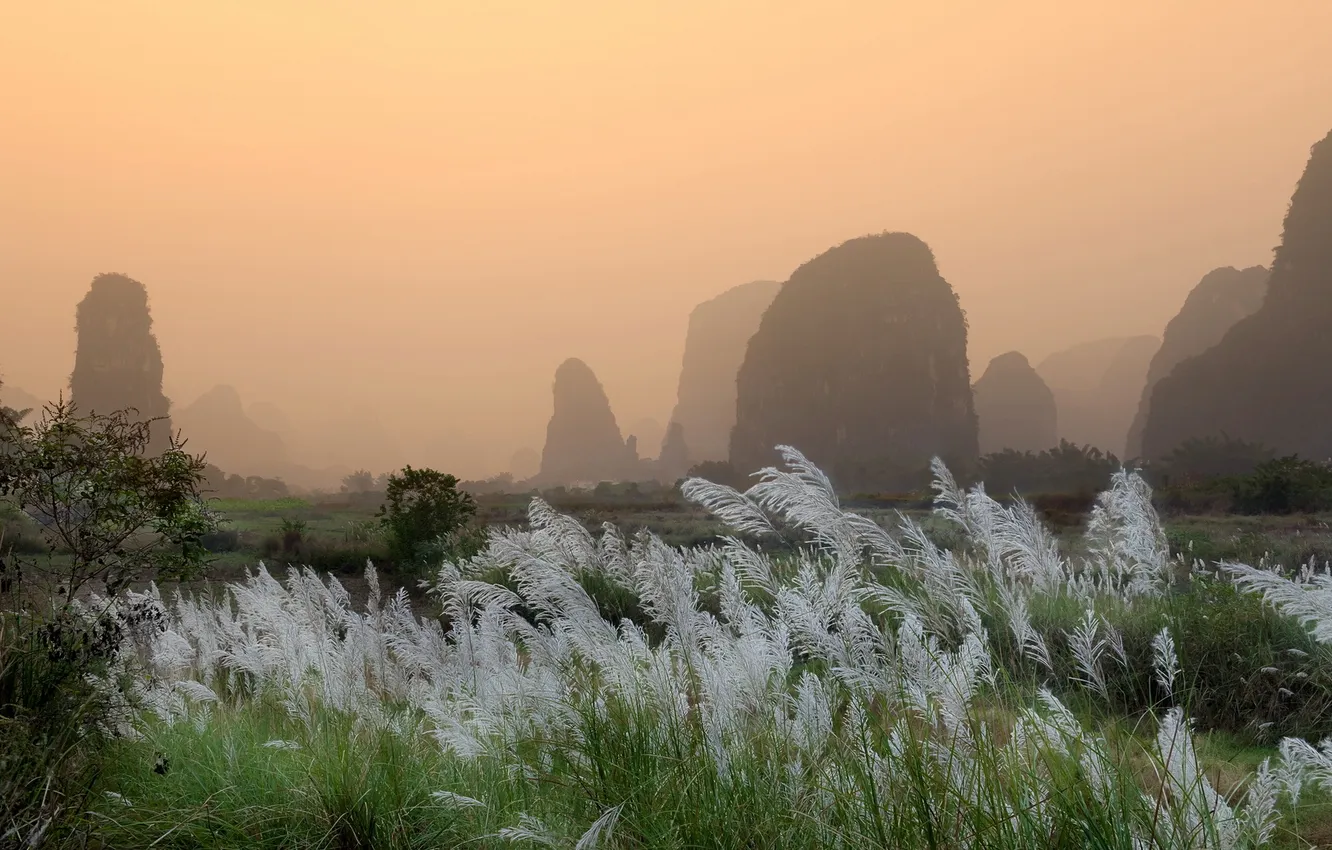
1221,298
719,331
861,363
1269,379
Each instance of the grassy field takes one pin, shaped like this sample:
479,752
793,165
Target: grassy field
975,678
341,533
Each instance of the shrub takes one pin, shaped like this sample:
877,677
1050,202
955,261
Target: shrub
359,482
422,506
1203,458
222,540
457,545
10,419
292,534
50,737
1067,468
110,507
220,485
322,552
1063,510
1282,486
59,708
361,532
19,534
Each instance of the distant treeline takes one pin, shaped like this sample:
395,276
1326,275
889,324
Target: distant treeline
219,485
1209,475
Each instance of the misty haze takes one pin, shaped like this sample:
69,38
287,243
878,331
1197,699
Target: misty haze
700,425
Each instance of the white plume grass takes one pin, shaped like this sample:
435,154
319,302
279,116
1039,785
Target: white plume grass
823,676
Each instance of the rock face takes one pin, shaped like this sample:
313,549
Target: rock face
861,363
583,442
1221,298
1014,407
673,462
118,364
648,433
1269,379
719,331
216,423
1097,386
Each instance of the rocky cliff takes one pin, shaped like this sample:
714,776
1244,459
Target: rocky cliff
861,363
719,331
673,460
216,423
583,441
1221,298
118,364
1269,379
1096,386
1014,407
648,433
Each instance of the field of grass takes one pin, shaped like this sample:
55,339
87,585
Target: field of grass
731,671
340,530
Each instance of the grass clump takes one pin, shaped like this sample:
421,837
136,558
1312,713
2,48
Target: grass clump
58,713
254,776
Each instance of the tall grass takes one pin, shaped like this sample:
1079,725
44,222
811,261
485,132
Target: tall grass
863,688
53,716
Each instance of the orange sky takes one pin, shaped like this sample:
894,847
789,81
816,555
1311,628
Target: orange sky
422,208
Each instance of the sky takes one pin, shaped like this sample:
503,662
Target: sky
412,212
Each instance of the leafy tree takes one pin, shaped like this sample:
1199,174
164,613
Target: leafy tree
1067,468
10,419
360,481
1282,486
1200,458
109,508
220,485
421,507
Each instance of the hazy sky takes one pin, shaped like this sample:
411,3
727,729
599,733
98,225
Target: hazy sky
422,208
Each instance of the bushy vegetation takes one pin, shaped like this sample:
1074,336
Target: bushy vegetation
1285,485
103,512
51,738
425,516
1211,475
108,510
815,679
362,482
221,485
1204,458
1066,469
1067,477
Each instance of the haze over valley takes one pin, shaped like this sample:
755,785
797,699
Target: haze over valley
377,241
